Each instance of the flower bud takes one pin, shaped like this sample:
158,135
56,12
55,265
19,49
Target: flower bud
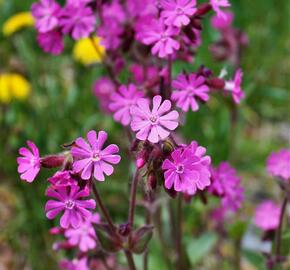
151,181
52,161
125,229
216,83
203,9
141,159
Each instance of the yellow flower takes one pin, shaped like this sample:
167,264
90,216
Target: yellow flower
17,22
5,93
20,87
85,52
13,85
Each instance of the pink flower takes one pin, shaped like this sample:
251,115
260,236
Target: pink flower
29,163
189,88
103,88
51,42
234,87
226,184
84,236
177,12
90,159
224,22
267,215
217,4
75,264
62,178
46,14
155,124
187,170
122,101
161,37
69,200
77,20
278,164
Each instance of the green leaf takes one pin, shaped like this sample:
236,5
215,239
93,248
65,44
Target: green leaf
198,248
255,258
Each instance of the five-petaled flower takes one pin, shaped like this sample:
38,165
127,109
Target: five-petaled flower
161,37
153,125
187,170
85,236
177,12
91,159
122,101
46,14
70,200
267,215
189,88
29,163
278,164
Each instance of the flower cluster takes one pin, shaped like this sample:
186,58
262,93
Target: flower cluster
76,19
145,38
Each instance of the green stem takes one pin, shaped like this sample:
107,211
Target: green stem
130,260
179,233
278,237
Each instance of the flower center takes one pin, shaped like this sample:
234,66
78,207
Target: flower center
33,161
97,156
153,119
69,204
179,11
180,168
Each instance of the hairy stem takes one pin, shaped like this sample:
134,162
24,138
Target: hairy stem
179,233
132,203
279,231
103,208
130,260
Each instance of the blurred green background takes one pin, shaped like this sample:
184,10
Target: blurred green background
61,107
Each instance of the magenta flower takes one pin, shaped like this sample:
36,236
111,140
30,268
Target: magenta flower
75,264
51,42
141,74
46,14
234,87
226,184
177,12
77,20
278,164
187,170
224,22
122,101
70,200
85,236
189,88
90,159
62,178
29,163
153,125
267,215
217,5
103,88
161,37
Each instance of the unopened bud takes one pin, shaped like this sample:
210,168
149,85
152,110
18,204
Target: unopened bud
203,9
216,83
56,230
125,229
142,158
52,161
151,181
